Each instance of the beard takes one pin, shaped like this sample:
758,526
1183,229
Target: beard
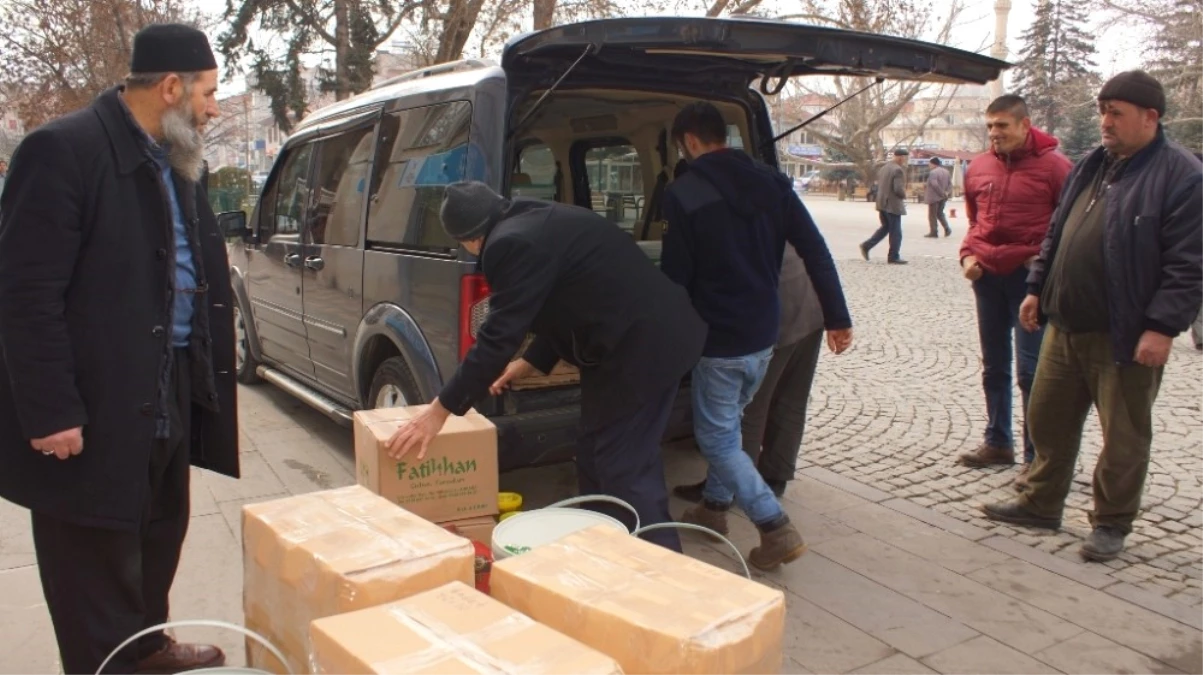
186,145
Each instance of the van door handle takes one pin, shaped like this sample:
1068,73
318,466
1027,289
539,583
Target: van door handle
314,263
293,260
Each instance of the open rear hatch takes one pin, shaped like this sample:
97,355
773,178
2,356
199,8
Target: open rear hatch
728,54
709,57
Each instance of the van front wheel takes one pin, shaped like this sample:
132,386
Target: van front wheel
393,386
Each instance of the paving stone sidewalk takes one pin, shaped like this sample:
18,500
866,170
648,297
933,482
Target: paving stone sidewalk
886,587
895,411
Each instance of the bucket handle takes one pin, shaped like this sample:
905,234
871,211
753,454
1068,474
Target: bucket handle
572,501
690,526
196,624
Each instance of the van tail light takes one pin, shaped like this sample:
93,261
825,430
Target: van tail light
473,308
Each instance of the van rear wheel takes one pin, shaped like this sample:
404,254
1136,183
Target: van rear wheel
393,386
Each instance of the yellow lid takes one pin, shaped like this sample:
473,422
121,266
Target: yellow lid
509,501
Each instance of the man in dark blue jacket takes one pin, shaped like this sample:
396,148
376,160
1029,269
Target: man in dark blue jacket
729,218
1119,276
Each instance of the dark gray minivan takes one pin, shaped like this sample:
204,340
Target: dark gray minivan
351,296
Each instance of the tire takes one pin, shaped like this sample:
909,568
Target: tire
393,386
246,364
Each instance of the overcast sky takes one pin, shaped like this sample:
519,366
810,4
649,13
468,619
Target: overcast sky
1118,47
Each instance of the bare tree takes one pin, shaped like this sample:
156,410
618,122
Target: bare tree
1173,54
858,131
60,54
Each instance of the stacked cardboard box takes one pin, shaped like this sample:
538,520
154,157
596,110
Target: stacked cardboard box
455,483
452,629
327,553
652,610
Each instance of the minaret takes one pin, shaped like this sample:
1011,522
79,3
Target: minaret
1001,9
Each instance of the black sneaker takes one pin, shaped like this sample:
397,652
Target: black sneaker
899,261
1103,544
931,236
864,252
691,493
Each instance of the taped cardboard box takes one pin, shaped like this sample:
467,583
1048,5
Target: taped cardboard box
331,552
476,529
457,479
651,609
452,629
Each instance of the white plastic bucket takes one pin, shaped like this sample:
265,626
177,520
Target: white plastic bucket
220,670
530,529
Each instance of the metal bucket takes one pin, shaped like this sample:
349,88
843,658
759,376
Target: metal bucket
220,670
529,529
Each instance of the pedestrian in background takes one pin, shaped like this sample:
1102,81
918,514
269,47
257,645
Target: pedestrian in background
118,351
891,207
936,194
1011,191
1119,276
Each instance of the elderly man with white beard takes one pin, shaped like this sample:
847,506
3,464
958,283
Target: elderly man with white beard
117,351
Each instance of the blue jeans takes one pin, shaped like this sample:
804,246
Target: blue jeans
721,389
998,300
891,225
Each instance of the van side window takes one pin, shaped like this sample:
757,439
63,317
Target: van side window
286,199
341,181
419,152
535,176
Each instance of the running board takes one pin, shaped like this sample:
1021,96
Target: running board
309,397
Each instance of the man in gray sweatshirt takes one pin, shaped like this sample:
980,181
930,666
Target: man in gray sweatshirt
936,194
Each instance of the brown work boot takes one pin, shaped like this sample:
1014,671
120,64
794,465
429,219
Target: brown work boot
1014,513
707,515
176,657
780,546
988,455
1021,481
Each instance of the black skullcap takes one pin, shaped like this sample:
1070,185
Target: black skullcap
1136,87
171,48
901,152
469,209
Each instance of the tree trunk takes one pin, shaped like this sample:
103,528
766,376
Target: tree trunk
461,17
342,49
545,13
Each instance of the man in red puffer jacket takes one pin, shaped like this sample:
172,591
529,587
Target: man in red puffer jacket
1011,192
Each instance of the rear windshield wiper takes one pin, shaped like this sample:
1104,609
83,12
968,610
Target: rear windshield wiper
768,145
589,49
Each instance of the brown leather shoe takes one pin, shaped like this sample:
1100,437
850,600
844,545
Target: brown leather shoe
782,545
178,658
1021,481
988,455
706,517
1014,514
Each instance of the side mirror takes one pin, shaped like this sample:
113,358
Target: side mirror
233,225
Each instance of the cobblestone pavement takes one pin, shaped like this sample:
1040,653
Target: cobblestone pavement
894,412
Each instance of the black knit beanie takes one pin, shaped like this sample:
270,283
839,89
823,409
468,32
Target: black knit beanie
470,209
171,48
1136,87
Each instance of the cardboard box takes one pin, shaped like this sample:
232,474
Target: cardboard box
331,552
452,629
652,610
476,529
456,480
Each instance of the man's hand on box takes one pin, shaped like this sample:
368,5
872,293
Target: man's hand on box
418,432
